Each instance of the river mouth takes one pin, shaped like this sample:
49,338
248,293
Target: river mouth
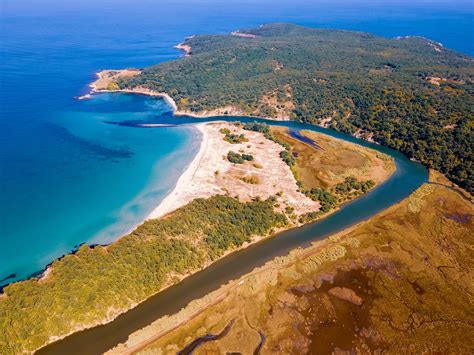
408,176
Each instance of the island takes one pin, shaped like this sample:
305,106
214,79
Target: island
250,181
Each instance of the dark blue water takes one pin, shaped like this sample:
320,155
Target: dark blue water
67,176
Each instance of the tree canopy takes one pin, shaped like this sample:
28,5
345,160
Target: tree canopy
409,93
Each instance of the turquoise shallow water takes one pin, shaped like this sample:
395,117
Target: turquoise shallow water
408,176
66,176
103,180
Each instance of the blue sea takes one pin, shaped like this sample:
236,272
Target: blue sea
67,175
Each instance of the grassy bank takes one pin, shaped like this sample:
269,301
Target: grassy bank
331,171
399,282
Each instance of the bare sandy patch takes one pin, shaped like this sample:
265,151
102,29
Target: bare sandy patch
211,173
184,47
228,110
326,121
242,34
281,105
450,126
436,80
107,78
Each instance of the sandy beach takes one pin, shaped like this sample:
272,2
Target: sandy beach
175,198
184,47
210,173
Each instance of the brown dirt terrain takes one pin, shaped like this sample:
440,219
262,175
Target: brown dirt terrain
399,282
106,79
281,106
335,160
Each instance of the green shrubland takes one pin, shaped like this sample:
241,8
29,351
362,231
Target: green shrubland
237,158
86,287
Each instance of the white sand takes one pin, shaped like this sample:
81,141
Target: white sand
177,198
210,173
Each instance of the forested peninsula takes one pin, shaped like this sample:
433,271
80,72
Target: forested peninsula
408,93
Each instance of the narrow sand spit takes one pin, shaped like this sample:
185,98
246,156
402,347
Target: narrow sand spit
184,47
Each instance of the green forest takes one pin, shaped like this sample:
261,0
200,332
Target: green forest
85,286
408,93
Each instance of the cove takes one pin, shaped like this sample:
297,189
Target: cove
408,176
80,179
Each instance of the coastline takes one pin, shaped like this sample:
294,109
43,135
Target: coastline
209,174
172,198
105,82
146,92
184,47
177,198
169,100
173,201
169,203
225,285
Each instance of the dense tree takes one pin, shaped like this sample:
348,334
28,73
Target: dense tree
410,93
84,287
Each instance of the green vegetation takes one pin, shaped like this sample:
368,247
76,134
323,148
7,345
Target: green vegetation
326,199
259,127
344,191
252,180
235,138
351,185
360,81
286,155
237,158
84,287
